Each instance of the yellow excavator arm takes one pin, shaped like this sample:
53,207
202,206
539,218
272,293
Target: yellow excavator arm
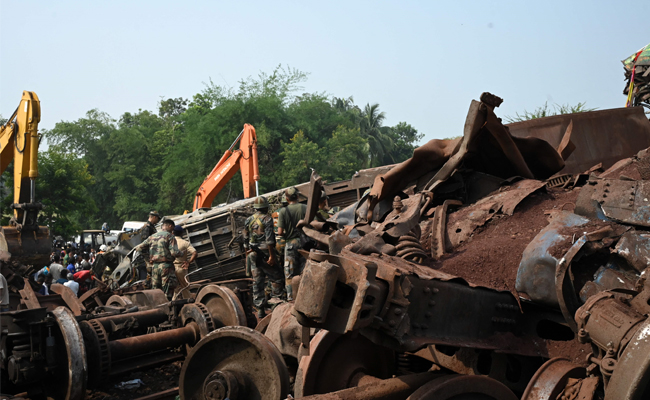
19,141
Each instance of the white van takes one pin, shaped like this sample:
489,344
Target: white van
130,226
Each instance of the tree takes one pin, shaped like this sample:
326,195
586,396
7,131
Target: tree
87,138
157,160
62,187
300,156
346,152
371,126
135,152
405,139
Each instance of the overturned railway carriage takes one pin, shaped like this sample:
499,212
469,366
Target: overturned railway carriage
468,272
214,232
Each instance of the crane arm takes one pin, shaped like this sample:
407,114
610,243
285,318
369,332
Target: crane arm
244,158
19,142
27,242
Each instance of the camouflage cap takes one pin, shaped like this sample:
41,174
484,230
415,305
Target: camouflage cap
291,193
154,213
260,202
283,200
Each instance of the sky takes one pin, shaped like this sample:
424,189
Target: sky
421,61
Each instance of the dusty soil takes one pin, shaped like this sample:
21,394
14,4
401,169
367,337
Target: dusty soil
572,350
155,380
492,255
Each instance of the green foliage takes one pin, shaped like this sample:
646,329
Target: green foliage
89,138
147,160
62,187
342,155
546,111
300,156
378,136
345,153
404,138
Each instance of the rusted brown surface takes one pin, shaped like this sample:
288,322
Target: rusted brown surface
462,386
144,318
388,389
551,378
337,362
138,345
234,360
486,146
604,136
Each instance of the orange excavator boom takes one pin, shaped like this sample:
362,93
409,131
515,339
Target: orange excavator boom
243,159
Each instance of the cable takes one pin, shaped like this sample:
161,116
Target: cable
16,141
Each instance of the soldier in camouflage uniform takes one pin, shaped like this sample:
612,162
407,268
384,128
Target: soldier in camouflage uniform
279,244
162,250
287,227
259,242
147,230
279,239
322,215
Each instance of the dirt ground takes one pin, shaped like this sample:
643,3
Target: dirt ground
492,256
155,380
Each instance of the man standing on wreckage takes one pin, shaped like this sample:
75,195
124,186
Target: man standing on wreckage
259,242
288,219
162,250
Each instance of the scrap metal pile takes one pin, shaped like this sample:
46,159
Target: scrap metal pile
483,267
510,263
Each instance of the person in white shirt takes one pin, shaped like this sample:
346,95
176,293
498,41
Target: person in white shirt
74,286
56,269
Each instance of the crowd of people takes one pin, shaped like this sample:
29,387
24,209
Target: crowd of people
69,267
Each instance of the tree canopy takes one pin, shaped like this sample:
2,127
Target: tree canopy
119,170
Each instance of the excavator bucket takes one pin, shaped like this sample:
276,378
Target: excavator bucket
26,247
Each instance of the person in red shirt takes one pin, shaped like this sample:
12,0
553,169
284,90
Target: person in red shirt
85,280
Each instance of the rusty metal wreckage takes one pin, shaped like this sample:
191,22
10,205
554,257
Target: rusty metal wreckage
383,308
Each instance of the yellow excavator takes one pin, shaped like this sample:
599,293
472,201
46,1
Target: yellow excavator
25,241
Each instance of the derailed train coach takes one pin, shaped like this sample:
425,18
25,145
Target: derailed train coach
485,267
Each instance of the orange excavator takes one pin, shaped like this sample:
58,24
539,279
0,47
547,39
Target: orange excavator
244,158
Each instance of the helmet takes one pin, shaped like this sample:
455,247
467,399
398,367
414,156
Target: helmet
260,203
323,196
284,199
102,247
292,193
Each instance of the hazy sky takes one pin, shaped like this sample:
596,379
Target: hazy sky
421,61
